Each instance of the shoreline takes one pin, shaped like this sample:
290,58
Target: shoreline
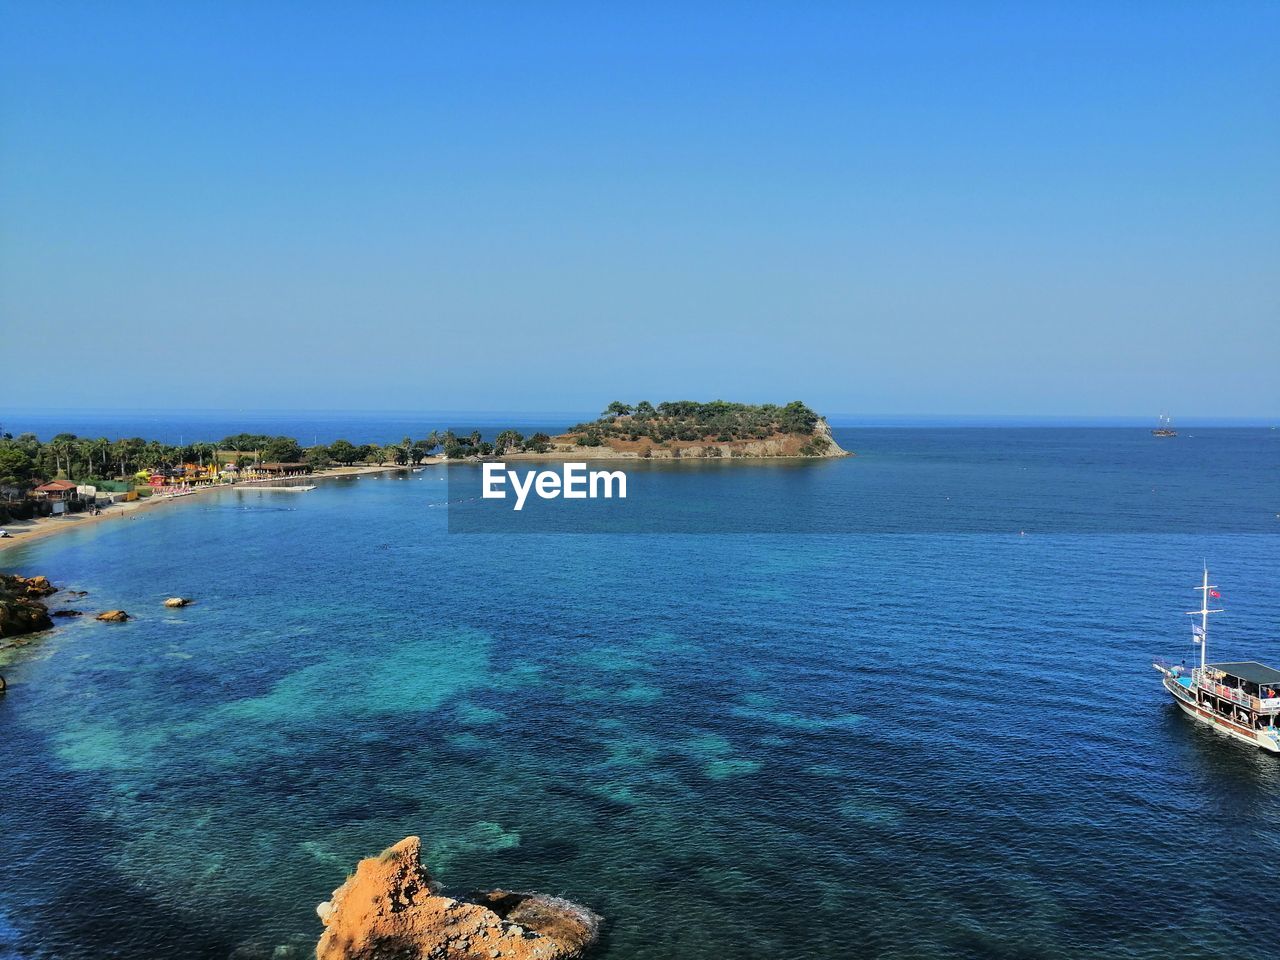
29,531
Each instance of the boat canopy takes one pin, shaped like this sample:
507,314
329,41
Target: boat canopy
1249,671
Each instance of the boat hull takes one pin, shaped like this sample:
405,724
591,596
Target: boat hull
1185,700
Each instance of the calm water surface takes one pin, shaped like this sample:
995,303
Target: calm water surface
820,746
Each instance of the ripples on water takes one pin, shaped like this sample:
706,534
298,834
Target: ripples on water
746,746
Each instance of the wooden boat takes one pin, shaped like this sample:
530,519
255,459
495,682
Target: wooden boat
1240,698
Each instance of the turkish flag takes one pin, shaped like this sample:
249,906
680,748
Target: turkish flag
1215,594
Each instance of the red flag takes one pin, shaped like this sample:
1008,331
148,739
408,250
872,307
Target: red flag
1215,594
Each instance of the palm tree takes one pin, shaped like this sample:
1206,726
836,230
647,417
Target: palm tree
154,454
202,451
126,452
82,450
99,449
60,447
506,440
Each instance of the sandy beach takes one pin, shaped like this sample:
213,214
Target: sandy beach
26,531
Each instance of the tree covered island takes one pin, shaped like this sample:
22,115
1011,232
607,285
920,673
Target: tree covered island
681,429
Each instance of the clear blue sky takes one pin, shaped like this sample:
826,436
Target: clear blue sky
1020,209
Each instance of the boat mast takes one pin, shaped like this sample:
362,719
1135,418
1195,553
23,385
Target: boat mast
1203,613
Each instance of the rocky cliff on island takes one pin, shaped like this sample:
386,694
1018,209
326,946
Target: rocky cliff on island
391,908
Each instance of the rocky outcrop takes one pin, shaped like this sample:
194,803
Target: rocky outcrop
177,602
390,908
34,587
21,605
823,439
68,613
112,616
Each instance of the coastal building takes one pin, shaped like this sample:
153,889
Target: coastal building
56,490
278,469
58,494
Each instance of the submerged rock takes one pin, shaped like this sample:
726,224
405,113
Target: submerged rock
112,616
21,609
390,907
68,613
177,602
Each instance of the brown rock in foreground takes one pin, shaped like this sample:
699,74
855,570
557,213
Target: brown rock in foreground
390,908
112,616
21,609
35,586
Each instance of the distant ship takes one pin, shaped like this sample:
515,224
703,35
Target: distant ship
1165,429
1240,699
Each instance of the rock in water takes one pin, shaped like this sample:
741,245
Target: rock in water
21,609
177,602
390,907
112,616
37,586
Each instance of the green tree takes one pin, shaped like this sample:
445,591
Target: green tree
125,454
245,442
155,455
344,451
317,457
282,450
507,440
419,451
795,417
16,468
538,443
99,450
203,453
62,448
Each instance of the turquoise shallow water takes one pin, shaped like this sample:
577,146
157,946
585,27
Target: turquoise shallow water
731,746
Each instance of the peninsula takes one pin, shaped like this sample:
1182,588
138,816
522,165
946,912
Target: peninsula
68,481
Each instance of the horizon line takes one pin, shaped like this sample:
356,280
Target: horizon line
47,412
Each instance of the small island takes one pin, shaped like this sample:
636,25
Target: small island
687,429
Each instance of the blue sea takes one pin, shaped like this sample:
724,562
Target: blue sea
934,735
